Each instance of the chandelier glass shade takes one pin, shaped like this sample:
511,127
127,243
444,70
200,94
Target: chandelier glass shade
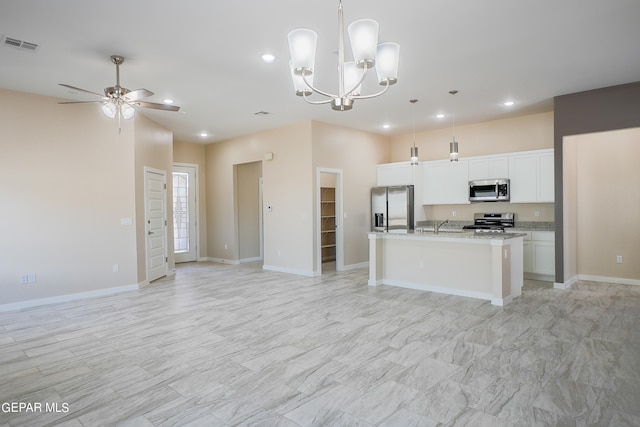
367,54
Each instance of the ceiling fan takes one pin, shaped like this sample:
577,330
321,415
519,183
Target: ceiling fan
119,101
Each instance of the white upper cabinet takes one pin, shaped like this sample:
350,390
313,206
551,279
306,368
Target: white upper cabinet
441,182
531,177
399,173
445,182
488,167
546,185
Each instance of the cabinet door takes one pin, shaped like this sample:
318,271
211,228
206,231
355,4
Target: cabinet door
527,264
488,168
543,257
523,171
394,174
546,189
445,183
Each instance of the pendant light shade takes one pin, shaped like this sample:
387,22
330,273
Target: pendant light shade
414,156
453,151
414,149
453,145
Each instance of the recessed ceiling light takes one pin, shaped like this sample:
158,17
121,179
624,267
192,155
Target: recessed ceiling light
509,103
168,101
268,58
440,116
386,126
204,134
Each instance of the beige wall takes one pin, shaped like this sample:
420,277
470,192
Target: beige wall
524,133
288,232
607,202
66,181
356,153
195,154
153,149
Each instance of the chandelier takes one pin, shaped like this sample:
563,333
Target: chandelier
367,54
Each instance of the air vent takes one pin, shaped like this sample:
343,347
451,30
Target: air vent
19,44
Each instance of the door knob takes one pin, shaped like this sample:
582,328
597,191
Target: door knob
151,232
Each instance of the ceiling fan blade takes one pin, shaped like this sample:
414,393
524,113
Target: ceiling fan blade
134,95
156,106
81,102
83,90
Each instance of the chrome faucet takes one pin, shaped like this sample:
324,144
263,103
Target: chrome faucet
437,227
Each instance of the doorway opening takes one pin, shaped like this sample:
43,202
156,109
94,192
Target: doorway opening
248,207
329,217
185,212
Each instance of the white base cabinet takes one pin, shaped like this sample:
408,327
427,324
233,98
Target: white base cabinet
538,250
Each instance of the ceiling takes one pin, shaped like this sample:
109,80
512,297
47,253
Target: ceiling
206,55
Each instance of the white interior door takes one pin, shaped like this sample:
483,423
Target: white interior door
155,193
185,211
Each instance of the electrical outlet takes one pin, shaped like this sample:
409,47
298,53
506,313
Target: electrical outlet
536,214
116,268
453,213
226,246
619,259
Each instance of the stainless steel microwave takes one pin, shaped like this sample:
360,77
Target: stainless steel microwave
489,190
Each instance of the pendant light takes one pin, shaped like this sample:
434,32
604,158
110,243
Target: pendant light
414,149
453,145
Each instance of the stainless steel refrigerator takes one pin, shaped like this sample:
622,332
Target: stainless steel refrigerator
392,209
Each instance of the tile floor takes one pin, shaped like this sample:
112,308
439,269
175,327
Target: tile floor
221,345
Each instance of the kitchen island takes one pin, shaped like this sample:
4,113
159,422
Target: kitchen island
478,265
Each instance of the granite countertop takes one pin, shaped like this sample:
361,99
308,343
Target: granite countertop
519,225
448,234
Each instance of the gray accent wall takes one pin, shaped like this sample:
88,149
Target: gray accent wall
610,108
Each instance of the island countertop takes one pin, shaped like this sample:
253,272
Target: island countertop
446,234
461,262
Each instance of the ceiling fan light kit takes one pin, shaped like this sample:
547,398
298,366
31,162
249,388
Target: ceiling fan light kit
119,101
367,54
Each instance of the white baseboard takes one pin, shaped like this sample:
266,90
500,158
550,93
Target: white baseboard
224,261
616,280
355,266
289,270
438,289
254,259
66,298
567,284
